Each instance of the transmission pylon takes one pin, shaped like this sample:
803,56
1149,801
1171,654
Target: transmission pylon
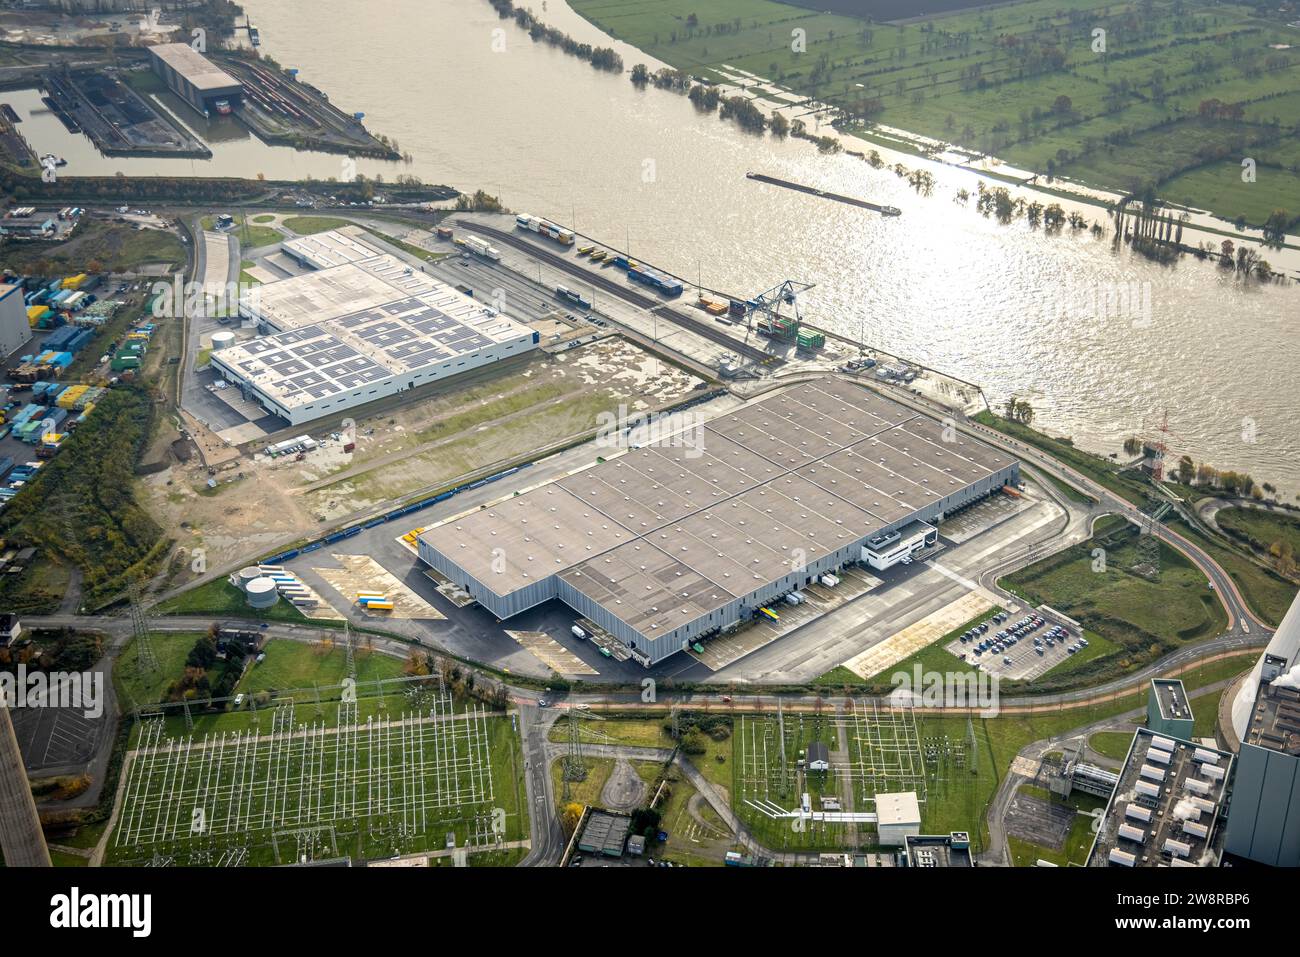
1148,543
146,659
347,650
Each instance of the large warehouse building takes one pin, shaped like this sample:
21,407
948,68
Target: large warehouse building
194,78
359,331
678,540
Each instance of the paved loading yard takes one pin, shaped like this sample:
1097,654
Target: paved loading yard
820,600
361,573
551,653
903,644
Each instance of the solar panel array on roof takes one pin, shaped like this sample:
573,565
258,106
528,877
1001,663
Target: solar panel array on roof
367,321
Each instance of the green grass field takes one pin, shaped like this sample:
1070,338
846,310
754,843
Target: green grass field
1262,529
992,80
139,685
308,225
1133,612
220,598
296,664
250,236
1267,594
1113,744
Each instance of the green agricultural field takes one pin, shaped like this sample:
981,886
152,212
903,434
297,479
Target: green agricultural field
366,779
1168,90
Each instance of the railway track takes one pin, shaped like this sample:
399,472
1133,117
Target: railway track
641,300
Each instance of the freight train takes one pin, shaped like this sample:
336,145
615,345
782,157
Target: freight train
577,298
544,227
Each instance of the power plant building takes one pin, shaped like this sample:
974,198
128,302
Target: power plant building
357,331
194,78
689,535
1167,806
1264,822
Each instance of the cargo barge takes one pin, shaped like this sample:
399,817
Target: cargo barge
813,191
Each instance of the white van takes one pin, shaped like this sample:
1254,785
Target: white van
578,632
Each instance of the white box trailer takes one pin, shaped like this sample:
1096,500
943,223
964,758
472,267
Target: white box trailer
482,247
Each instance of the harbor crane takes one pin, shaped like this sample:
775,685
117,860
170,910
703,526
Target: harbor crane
765,311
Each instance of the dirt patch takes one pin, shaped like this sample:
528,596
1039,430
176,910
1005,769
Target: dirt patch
260,502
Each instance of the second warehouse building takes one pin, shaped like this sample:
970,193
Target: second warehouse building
363,326
687,536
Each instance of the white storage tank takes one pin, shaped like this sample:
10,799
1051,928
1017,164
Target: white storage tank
222,340
262,593
247,574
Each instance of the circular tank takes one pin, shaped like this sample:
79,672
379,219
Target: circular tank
261,593
247,574
222,340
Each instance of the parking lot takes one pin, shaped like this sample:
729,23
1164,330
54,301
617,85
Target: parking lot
1018,649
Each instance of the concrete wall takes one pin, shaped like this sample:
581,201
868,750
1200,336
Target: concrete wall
1264,821
15,331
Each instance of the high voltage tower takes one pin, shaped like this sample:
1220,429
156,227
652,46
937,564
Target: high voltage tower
574,767
145,657
347,650
1148,543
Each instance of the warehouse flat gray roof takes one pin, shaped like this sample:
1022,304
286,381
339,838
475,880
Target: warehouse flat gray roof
726,507
195,67
333,247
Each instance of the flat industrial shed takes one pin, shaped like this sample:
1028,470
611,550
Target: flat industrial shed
193,76
348,334
677,540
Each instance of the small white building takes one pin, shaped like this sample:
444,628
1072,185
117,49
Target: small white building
819,757
897,816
